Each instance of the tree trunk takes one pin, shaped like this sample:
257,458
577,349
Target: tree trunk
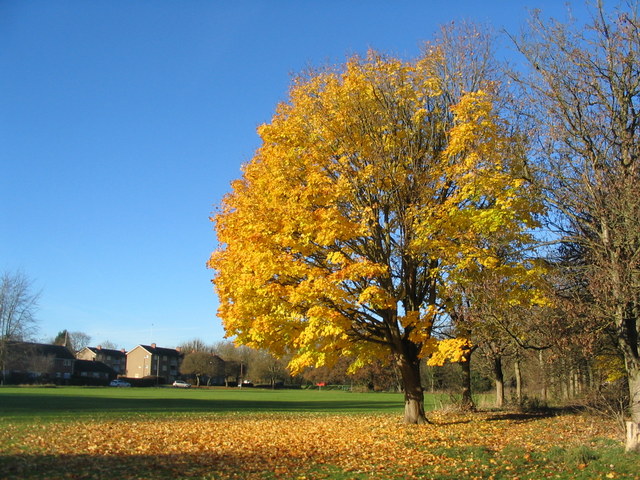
564,383
633,437
578,381
409,366
590,377
633,426
518,374
627,322
466,402
499,379
571,384
543,375
433,382
634,393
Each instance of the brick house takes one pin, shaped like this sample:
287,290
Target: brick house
116,359
92,372
146,361
28,362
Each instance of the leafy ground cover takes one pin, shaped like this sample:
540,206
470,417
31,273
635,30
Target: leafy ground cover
267,444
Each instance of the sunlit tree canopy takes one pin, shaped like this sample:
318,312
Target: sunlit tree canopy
371,192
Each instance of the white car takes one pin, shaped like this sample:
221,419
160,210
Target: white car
181,384
119,383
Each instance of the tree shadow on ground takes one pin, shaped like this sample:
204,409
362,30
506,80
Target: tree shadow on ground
534,415
245,465
32,405
453,422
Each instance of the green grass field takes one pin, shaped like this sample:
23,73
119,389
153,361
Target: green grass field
91,402
218,433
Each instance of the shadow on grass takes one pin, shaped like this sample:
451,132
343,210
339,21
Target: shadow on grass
28,406
209,466
453,422
535,415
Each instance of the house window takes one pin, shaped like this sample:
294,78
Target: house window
66,363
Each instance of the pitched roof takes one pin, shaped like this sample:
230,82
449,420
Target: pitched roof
107,351
170,352
44,349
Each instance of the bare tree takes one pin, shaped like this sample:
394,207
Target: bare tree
195,345
79,340
586,89
18,304
109,345
74,341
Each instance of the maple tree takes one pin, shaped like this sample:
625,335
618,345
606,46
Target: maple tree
376,185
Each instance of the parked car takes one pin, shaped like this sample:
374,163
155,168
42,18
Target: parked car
119,383
181,384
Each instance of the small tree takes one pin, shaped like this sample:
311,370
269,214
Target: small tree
238,359
233,371
202,364
265,366
18,305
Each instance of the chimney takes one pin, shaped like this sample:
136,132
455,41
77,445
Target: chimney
123,350
99,347
178,349
153,345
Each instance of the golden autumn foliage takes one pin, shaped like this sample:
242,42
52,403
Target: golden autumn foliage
450,349
285,446
371,193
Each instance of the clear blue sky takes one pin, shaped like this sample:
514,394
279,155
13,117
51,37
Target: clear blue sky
123,122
